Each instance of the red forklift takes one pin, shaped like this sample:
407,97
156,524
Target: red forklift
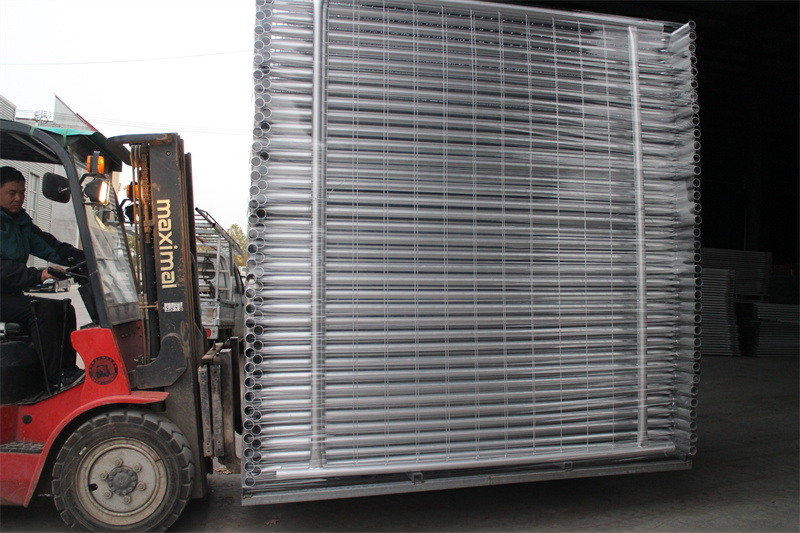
125,448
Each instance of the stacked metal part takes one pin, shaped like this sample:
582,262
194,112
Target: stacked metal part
720,334
473,245
770,330
753,270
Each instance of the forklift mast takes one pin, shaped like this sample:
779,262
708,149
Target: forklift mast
162,213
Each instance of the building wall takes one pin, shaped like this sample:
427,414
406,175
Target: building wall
7,109
57,219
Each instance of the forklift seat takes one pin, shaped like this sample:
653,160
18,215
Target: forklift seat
21,373
10,330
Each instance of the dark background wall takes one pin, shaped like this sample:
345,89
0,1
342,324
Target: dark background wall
749,89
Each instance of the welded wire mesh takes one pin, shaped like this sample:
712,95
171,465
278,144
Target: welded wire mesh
473,237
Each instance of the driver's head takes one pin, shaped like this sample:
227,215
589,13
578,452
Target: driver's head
12,189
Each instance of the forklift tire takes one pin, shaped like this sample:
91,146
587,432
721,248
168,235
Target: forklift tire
123,470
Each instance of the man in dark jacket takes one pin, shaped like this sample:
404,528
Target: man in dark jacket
19,238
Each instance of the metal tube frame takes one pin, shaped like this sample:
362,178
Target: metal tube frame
318,199
353,282
641,266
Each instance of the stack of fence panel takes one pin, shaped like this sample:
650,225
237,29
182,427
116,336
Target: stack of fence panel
473,244
752,269
770,330
720,335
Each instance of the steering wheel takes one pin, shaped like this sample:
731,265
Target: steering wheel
76,272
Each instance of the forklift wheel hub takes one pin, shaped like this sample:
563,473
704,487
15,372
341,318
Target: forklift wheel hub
132,474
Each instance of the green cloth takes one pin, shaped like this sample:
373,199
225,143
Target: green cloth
18,240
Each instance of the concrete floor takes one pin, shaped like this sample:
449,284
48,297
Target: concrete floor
745,478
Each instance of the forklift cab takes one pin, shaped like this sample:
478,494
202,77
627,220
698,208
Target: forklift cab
107,285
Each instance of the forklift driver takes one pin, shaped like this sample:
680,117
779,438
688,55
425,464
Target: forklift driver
19,238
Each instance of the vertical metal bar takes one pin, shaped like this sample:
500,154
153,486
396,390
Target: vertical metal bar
641,272
217,418
217,270
205,410
317,238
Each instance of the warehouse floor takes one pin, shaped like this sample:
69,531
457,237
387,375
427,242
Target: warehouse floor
745,478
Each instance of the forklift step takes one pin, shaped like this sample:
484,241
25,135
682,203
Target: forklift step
22,447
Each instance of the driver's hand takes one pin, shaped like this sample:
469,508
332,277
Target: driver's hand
47,275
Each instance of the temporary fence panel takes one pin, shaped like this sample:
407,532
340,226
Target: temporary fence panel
473,242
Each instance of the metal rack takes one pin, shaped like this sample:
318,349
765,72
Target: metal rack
220,285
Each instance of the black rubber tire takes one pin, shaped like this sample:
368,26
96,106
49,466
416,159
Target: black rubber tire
125,454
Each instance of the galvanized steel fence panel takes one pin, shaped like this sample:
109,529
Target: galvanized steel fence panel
473,241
